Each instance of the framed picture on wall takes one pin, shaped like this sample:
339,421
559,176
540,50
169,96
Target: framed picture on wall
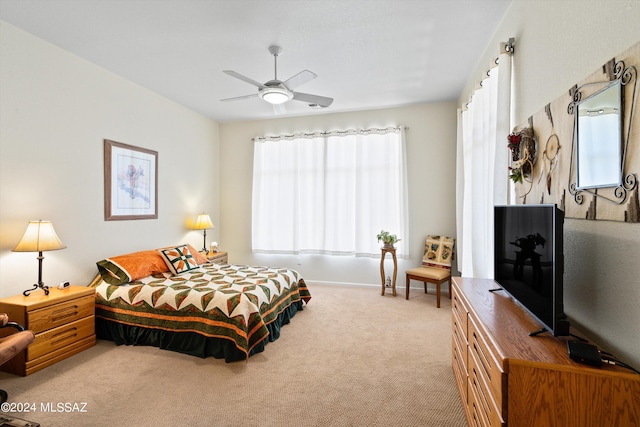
130,182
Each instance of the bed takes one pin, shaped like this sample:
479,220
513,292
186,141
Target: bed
173,298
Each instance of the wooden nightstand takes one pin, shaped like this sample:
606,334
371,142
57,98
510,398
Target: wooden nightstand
218,257
63,321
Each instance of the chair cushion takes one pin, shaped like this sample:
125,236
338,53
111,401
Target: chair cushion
434,273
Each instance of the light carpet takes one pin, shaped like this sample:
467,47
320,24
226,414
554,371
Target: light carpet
351,358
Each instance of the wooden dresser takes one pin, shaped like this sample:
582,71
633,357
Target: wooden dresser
63,321
508,378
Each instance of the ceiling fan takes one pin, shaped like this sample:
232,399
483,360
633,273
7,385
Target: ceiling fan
278,92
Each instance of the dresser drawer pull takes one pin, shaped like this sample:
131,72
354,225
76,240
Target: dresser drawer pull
65,313
455,334
456,304
64,335
476,421
484,360
481,394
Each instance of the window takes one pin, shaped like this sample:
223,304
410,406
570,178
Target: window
330,192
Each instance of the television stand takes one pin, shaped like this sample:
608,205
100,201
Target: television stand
508,379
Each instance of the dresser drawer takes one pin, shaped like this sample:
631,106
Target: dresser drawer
460,372
481,411
60,314
476,419
57,338
485,360
459,308
460,339
489,405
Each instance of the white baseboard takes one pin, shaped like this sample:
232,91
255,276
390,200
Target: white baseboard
324,282
417,285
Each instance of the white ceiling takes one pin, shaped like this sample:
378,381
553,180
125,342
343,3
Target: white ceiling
367,53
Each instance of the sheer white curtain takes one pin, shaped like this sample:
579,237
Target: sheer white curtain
329,192
482,174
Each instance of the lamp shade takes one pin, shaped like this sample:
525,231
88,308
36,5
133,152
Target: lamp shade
203,222
39,236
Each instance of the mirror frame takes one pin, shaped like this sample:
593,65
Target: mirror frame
624,76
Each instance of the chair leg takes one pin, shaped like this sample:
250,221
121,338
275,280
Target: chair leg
408,280
438,295
425,288
3,396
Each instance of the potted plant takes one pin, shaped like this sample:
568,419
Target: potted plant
388,239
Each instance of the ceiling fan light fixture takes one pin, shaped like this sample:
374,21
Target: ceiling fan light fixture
276,95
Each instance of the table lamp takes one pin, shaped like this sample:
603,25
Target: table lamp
203,222
39,237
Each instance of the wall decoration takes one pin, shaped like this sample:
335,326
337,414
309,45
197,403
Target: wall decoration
130,182
554,177
523,147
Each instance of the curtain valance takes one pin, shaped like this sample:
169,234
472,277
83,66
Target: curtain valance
346,132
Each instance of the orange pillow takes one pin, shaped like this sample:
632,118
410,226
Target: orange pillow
123,269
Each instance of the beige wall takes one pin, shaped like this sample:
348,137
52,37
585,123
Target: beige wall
431,152
55,111
558,43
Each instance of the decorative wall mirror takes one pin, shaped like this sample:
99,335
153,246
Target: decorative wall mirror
599,140
601,135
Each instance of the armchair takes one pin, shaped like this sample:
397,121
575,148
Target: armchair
12,344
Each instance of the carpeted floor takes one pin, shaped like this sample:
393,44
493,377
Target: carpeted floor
351,358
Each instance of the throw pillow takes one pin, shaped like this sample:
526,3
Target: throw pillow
179,259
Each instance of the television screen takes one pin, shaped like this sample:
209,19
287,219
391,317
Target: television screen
528,260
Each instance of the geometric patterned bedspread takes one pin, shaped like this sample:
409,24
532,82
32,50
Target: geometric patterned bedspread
233,302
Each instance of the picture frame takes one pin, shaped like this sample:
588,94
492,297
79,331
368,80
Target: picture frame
130,182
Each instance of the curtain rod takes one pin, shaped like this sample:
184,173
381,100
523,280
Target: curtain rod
379,131
508,48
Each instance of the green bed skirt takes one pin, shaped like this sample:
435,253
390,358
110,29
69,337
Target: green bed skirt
190,342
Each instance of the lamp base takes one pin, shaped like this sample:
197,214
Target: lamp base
44,287
204,243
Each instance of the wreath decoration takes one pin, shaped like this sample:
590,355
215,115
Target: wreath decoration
523,155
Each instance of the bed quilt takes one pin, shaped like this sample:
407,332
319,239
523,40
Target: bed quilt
233,302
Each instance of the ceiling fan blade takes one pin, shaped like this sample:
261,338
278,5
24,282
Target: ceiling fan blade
237,98
299,79
322,101
243,78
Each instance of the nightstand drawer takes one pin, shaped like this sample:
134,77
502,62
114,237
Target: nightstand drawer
60,314
218,257
62,336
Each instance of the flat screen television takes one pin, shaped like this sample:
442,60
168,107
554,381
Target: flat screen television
529,261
